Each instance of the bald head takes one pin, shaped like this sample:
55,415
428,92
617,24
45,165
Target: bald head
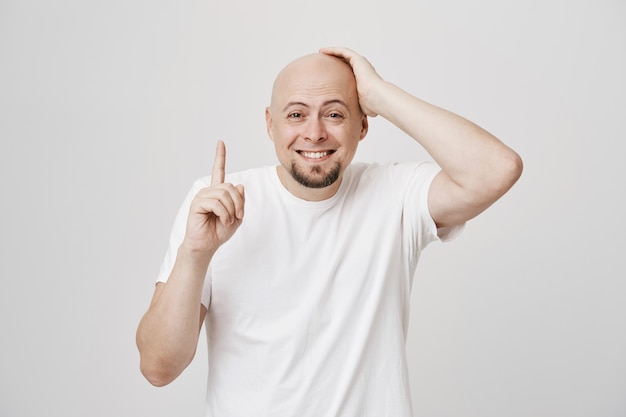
316,124
315,73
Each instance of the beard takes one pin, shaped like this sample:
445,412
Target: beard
316,178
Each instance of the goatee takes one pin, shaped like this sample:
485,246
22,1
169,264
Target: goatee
317,178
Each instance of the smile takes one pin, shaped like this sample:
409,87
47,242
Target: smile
315,155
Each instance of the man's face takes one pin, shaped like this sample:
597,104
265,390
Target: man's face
316,124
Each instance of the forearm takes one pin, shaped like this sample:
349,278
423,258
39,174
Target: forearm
167,335
477,167
467,153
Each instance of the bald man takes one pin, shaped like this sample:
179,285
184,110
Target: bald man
301,272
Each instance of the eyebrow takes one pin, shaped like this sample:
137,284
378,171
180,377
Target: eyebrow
326,103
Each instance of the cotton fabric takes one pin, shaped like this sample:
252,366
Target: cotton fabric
308,302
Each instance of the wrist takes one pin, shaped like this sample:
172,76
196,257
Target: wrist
196,253
375,99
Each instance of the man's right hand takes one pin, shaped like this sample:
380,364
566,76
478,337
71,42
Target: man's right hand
216,211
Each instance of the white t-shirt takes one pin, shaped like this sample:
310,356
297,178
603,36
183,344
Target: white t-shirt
308,302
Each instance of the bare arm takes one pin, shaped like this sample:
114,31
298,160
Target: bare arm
167,336
477,168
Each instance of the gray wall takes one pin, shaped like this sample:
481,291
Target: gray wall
109,110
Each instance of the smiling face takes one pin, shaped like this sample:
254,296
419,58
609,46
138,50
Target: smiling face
316,123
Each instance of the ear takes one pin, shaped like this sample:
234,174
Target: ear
268,123
364,127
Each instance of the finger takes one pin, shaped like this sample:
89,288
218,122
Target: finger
233,200
213,206
228,198
222,212
242,194
219,165
343,53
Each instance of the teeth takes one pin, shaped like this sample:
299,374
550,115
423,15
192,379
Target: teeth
314,155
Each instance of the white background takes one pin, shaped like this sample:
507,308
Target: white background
109,110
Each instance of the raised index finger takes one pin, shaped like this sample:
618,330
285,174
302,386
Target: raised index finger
218,173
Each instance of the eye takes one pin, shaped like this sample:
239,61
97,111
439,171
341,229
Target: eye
335,115
295,115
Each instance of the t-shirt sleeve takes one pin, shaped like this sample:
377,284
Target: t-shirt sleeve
176,238
418,225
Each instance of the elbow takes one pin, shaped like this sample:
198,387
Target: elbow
160,368
157,376
497,181
161,365
506,174
512,170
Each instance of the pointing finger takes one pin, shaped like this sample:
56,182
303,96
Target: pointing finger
218,173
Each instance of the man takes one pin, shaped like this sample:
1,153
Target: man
306,296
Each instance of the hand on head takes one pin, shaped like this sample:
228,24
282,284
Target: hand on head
367,79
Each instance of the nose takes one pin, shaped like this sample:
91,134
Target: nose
315,130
